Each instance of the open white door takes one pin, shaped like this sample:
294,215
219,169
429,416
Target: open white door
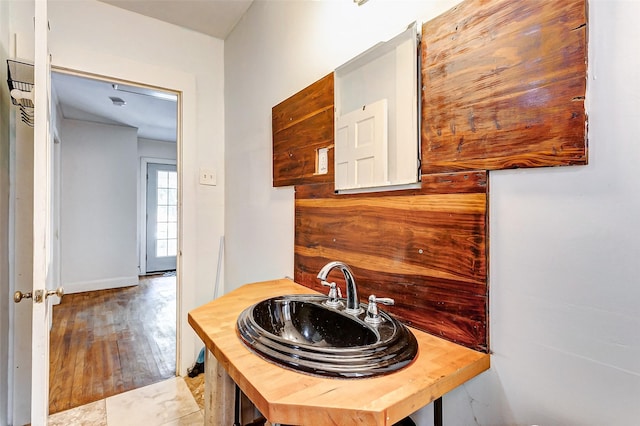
42,219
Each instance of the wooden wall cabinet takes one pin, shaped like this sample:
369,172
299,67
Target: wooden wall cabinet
301,125
504,85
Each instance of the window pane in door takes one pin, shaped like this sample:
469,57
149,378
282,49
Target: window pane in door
162,233
163,179
172,214
173,180
162,214
172,230
163,196
167,214
161,248
172,247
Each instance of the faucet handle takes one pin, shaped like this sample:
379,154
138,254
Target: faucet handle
373,313
384,300
334,294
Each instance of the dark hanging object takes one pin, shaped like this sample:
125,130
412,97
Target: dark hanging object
20,80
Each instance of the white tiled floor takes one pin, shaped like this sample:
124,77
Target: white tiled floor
166,403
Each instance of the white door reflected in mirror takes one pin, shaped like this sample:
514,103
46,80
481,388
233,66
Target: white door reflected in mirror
376,131
361,147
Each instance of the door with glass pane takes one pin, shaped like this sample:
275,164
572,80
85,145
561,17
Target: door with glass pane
162,217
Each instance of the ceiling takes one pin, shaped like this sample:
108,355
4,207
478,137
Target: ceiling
87,99
212,17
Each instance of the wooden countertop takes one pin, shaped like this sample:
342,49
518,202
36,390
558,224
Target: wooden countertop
289,397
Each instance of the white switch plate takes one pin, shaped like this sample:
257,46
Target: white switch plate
207,177
323,161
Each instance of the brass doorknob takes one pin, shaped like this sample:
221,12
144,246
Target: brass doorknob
18,296
57,292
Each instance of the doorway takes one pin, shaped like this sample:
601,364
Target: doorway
130,123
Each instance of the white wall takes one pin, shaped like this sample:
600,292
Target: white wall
565,242
99,199
156,149
4,213
565,292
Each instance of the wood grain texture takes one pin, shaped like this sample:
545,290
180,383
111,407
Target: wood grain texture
426,248
301,124
288,397
504,85
110,341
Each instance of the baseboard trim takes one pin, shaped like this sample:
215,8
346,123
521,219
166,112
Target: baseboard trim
82,286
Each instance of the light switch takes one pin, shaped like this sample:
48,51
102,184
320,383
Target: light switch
207,177
323,161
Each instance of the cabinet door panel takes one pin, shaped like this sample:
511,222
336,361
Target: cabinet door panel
504,86
302,124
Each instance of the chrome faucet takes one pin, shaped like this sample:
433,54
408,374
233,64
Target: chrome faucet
353,303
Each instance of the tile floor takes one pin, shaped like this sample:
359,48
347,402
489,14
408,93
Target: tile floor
165,403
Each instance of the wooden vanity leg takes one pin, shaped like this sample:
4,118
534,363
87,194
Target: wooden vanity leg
219,393
437,412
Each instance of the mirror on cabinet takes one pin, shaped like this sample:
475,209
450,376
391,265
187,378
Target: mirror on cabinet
376,117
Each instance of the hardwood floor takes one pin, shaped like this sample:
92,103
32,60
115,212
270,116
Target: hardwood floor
110,341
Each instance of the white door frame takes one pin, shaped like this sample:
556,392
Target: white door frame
142,218
180,370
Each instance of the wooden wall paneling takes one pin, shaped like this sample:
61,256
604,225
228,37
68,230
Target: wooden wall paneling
425,248
294,150
504,85
301,124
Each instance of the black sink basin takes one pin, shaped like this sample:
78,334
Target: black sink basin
301,333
